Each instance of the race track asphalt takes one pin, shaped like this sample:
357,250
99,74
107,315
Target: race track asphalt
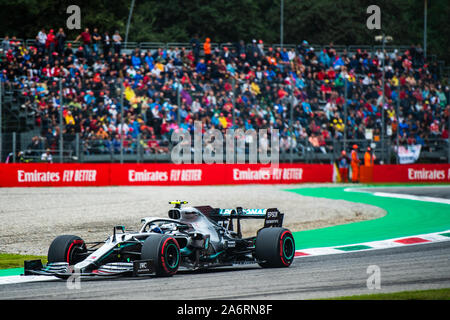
417,267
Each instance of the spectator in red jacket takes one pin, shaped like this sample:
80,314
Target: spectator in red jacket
50,43
86,39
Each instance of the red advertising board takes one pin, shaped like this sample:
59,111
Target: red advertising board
165,174
28,175
434,173
41,174
218,174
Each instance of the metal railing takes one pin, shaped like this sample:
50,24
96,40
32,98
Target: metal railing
170,45
40,156
143,150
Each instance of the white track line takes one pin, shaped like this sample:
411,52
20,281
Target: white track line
24,279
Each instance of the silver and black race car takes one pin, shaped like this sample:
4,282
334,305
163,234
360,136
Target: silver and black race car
191,238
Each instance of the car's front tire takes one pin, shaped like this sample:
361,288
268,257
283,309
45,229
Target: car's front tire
165,253
274,248
66,248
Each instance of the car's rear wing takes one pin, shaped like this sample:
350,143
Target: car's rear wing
242,213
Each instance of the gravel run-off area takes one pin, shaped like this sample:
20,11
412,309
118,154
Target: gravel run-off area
32,217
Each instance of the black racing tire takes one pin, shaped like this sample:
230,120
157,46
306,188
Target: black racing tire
66,248
274,248
165,253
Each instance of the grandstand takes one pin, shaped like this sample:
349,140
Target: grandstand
322,98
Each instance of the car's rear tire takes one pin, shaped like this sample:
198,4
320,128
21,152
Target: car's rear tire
274,248
66,248
165,253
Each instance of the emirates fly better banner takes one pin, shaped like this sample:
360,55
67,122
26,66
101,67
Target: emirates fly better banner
412,173
58,175
39,175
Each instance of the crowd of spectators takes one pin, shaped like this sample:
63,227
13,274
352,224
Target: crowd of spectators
167,89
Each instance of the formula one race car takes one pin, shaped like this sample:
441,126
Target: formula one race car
191,238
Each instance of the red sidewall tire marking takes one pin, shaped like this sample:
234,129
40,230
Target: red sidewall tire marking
163,260
70,249
286,263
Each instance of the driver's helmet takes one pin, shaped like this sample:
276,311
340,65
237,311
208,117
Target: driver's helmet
156,229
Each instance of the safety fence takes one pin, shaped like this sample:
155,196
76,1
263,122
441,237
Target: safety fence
32,147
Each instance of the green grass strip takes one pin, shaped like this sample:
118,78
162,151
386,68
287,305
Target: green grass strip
11,272
433,294
8,261
404,218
